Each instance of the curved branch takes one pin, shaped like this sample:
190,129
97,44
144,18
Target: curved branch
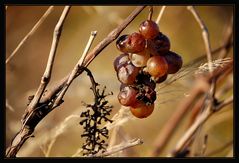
40,106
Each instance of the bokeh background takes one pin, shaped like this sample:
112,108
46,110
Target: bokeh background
24,71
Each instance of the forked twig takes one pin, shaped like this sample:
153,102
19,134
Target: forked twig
207,112
205,35
32,31
167,130
40,106
26,132
47,74
198,122
94,53
75,70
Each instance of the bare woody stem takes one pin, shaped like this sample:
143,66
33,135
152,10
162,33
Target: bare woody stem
75,70
47,74
41,106
205,35
167,130
199,121
209,107
151,10
94,53
207,112
33,30
26,132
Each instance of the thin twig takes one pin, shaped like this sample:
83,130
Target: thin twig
78,152
120,147
199,121
32,118
204,146
151,10
205,35
169,127
9,106
167,130
94,53
46,148
207,112
26,132
47,74
32,31
160,14
76,69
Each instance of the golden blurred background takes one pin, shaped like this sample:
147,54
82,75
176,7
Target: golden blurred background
24,71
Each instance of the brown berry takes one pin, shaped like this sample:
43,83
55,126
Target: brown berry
149,29
157,66
174,61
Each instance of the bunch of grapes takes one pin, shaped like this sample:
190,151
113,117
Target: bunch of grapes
145,61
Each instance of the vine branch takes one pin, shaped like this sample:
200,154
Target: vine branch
40,106
26,132
207,112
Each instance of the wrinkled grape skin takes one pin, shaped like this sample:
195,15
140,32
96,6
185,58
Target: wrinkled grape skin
133,43
121,59
127,96
127,73
157,66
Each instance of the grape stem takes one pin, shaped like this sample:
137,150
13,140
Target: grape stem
151,10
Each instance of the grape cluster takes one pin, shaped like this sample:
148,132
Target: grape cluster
145,61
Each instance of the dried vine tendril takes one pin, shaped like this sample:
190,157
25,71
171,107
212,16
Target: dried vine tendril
92,119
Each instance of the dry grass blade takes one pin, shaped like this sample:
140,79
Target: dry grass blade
47,74
198,122
120,147
160,14
215,64
26,131
32,31
51,139
76,69
121,117
9,106
205,35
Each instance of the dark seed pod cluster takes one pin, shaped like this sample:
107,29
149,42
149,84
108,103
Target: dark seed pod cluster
146,60
92,120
